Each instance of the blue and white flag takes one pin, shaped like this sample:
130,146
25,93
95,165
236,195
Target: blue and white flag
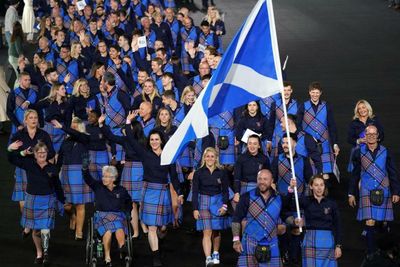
249,70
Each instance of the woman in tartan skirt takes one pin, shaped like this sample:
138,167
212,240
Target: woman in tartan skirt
210,203
322,241
77,193
155,206
132,173
42,192
30,136
113,203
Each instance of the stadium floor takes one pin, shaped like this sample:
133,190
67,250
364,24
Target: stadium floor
351,47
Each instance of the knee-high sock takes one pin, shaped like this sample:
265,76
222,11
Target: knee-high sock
45,236
370,238
294,250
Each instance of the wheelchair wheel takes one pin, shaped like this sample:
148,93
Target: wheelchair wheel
90,244
129,246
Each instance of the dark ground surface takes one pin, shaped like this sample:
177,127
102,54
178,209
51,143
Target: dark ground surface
351,47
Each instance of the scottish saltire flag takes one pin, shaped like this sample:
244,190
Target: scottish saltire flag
249,70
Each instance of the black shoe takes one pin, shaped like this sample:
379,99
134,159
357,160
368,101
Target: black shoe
25,235
38,260
156,259
108,264
46,260
79,239
123,251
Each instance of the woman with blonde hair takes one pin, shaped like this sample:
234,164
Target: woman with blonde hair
29,136
149,94
363,117
210,203
55,107
81,101
217,24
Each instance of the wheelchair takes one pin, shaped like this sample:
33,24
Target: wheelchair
95,248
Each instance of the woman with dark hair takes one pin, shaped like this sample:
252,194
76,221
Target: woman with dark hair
322,241
155,205
96,73
15,49
101,54
42,192
247,167
253,120
132,173
164,123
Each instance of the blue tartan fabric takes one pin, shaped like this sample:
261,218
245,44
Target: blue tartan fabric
110,221
186,37
222,125
56,135
20,185
374,176
155,206
132,179
265,105
318,249
98,159
186,158
209,218
246,187
119,82
277,134
197,85
115,113
285,174
39,212
19,100
316,124
76,191
247,258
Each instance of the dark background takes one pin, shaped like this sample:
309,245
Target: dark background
351,47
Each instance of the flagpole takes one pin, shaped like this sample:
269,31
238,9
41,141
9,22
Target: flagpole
296,196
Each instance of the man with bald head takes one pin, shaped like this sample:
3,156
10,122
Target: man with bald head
261,208
145,117
375,180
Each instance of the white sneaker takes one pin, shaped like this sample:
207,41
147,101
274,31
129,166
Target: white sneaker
215,257
209,262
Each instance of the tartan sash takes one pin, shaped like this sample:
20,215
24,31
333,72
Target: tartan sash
197,86
148,126
174,27
262,217
223,120
179,116
285,173
118,80
316,123
265,105
20,99
114,110
186,36
374,170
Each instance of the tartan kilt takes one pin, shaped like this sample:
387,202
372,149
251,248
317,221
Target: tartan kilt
76,191
327,157
368,211
247,258
20,185
155,206
132,179
110,221
246,187
56,135
208,219
318,249
186,66
228,155
185,159
98,159
39,212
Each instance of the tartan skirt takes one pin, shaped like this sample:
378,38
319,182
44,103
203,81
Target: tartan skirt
318,249
39,212
246,187
247,258
209,218
56,135
155,206
76,191
367,210
132,179
110,221
20,185
98,159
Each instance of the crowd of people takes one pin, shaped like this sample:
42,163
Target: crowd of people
109,84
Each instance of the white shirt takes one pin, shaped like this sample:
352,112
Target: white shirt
10,19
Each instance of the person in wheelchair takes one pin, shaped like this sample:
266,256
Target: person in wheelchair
112,203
